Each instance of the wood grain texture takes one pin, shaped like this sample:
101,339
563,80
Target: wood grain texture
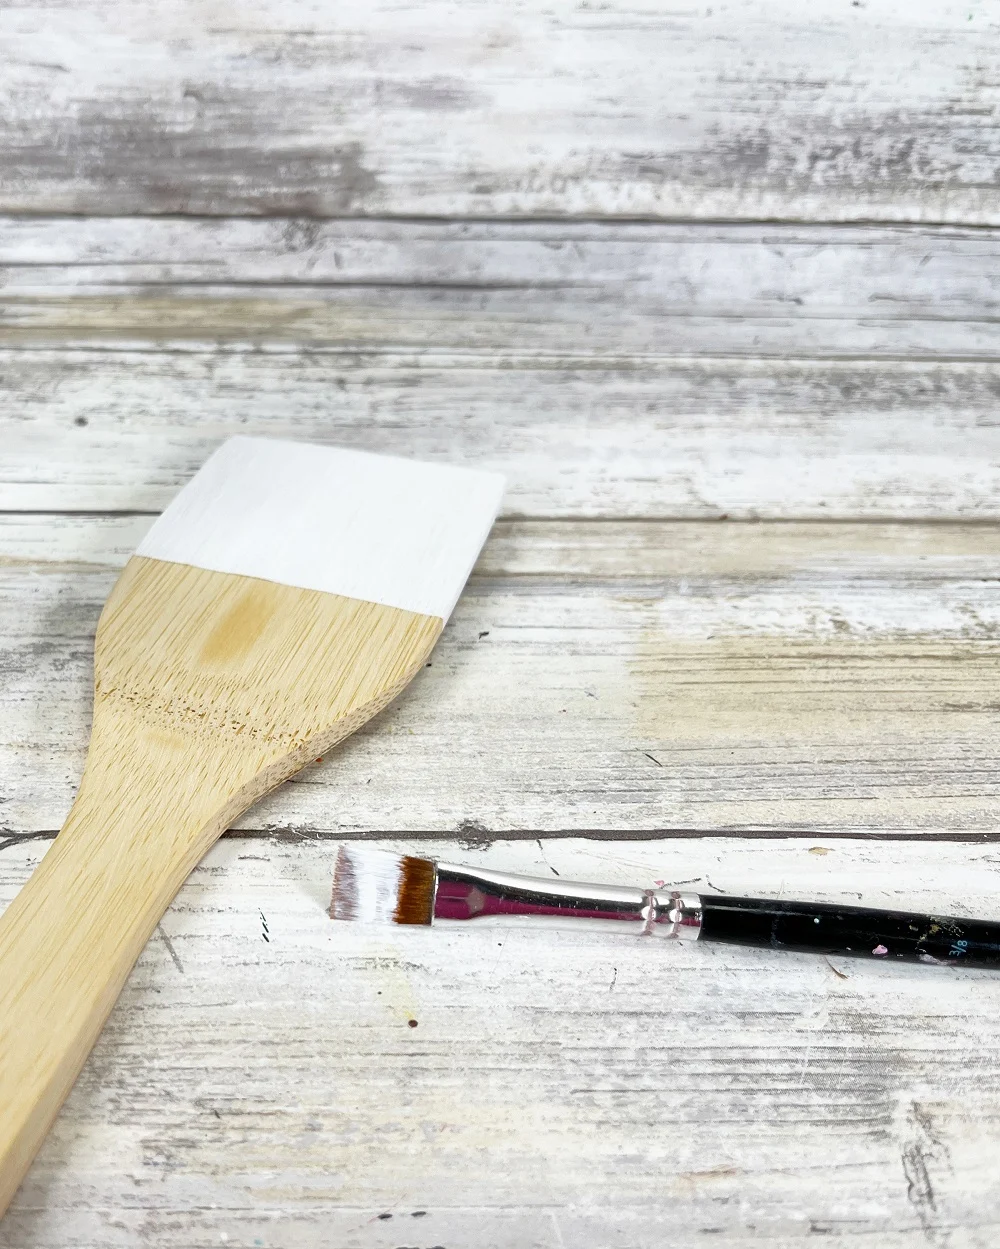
259,1080
119,431
618,679
882,110
595,290
737,694
668,371
209,690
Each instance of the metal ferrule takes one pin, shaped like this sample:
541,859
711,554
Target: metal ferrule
463,893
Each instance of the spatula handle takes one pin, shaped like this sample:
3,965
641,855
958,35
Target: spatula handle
210,689
145,814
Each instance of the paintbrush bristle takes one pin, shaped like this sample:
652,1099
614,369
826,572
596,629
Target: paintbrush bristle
374,527
417,885
376,887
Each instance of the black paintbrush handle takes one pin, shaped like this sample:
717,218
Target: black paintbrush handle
855,930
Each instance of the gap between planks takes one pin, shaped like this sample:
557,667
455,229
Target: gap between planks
483,838
888,225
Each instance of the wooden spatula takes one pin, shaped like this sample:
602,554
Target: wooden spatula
285,596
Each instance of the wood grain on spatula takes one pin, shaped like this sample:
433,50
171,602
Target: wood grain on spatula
286,595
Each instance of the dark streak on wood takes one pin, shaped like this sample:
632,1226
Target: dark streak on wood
19,839
485,837
838,111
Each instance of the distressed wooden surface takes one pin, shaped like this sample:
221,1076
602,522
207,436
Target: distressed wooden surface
115,430
738,693
738,625
877,110
642,679
858,374
603,290
260,1084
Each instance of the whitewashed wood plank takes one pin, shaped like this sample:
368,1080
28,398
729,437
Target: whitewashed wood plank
582,551
622,680
596,289
117,430
882,110
560,1087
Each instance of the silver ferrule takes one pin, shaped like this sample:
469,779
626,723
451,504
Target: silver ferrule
678,916
468,893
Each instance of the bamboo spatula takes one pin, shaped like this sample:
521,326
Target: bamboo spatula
287,594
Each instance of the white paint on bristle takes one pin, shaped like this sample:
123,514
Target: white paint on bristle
366,885
391,531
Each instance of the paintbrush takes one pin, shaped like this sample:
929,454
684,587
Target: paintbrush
284,597
375,886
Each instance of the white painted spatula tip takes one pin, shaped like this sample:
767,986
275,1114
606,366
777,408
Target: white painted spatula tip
389,530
